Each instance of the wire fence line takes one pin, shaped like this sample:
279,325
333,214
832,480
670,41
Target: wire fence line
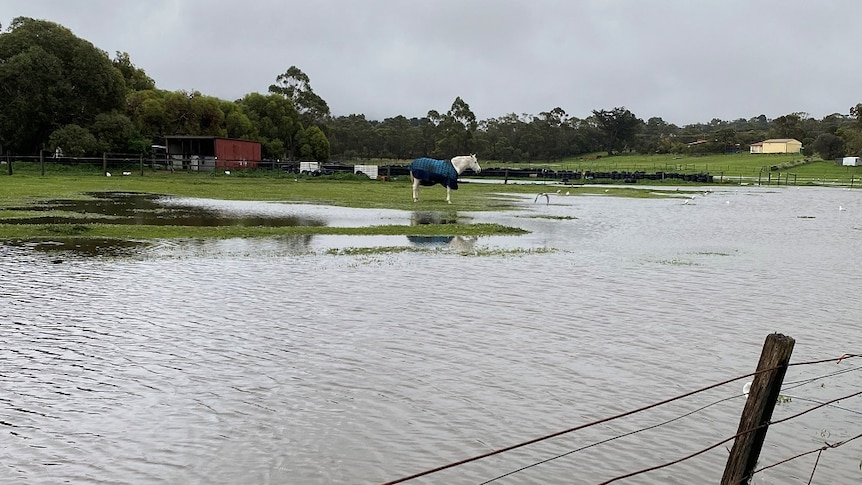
790,385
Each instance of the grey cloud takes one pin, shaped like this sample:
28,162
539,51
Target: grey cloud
685,61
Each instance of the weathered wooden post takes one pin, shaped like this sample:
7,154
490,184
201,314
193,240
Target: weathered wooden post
42,161
141,162
757,413
104,163
9,163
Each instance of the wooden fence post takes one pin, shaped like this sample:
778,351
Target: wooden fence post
42,161
757,413
141,162
104,163
9,163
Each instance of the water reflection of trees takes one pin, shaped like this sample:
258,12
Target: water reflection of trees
86,247
289,244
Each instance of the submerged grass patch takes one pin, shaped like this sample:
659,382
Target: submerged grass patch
65,229
379,250
556,218
675,262
116,231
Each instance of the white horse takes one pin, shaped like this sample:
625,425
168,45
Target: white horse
428,171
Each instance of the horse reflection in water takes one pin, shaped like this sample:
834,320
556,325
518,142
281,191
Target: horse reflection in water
428,171
460,244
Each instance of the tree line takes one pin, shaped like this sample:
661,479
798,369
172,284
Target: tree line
58,90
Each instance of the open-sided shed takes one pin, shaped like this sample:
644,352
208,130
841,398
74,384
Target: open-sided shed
207,153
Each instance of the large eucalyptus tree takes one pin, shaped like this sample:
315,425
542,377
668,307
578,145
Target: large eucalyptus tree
49,78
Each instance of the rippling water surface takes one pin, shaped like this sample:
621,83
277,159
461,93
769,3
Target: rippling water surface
275,361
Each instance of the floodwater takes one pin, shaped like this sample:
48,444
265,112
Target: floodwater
276,361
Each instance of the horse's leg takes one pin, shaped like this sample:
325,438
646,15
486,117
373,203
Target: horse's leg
415,189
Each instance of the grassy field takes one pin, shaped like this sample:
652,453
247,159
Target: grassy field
27,189
23,195
729,168
28,186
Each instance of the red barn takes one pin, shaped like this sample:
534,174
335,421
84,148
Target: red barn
207,153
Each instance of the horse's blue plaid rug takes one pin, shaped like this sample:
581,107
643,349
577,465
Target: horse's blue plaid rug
430,171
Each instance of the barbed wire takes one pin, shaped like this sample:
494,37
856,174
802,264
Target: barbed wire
614,438
805,399
716,445
570,430
645,408
809,380
823,448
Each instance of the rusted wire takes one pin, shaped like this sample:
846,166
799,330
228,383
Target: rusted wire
802,382
818,406
570,430
819,452
629,413
743,433
612,439
788,459
823,361
825,447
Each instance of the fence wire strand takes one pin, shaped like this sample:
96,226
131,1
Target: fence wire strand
713,446
613,438
823,448
645,408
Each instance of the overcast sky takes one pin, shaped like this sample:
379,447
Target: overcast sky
686,61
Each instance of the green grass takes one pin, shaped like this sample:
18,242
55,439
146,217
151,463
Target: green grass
730,167
28,187
142,232
24,188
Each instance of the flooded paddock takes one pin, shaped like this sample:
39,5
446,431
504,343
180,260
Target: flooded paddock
281,360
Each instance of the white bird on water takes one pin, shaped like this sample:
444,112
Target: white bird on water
841,208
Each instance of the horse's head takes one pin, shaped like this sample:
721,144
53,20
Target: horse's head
474,164
466,161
